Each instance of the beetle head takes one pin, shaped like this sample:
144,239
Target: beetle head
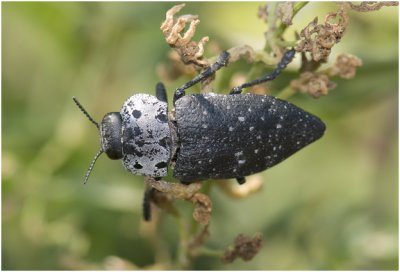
110,136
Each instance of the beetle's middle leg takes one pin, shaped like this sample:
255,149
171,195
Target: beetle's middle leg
222,60
286,59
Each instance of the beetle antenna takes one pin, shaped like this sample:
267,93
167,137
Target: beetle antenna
85,112
92,165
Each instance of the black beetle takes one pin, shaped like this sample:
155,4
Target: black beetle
206,136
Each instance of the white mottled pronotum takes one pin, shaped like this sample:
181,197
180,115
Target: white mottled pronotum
146,133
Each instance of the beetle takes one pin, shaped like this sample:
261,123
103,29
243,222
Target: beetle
206,136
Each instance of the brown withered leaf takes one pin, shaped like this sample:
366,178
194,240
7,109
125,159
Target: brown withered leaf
191,52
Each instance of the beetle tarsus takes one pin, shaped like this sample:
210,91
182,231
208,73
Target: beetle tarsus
222,61
286,59
185,182
241,180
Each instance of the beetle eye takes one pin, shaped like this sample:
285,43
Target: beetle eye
110,134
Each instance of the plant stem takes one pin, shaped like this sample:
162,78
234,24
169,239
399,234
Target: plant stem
209,252
183,260
286,93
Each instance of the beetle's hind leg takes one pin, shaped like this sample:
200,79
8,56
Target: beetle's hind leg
222,61
286,59
161,93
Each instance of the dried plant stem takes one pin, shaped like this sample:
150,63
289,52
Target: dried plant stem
296,8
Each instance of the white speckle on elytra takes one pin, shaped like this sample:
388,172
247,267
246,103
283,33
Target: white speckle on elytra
285,107
298,142
210,160
230,128
281,117
237,154
263,100
199,173
258,137
234,170
208,150
274,148
251,128
280,147
255,151
241,161
204,126
228,107
214,169
241,118
205,112
199,162
278,126
249,109
262,118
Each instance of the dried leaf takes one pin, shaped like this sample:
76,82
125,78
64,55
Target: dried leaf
367,6
313,84
318,39
284,11
190,52
345,66
170,190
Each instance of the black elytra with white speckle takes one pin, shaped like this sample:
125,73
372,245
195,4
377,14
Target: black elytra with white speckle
229,136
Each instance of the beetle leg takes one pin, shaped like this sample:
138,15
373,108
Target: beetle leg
222,60
241,180
147,204
286,59
161,93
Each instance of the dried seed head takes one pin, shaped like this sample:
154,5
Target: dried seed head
244,247
313,84
345,66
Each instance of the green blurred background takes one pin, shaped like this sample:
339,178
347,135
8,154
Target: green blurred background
333,205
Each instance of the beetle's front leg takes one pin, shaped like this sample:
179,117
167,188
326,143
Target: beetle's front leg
222,60
147,204
161,93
